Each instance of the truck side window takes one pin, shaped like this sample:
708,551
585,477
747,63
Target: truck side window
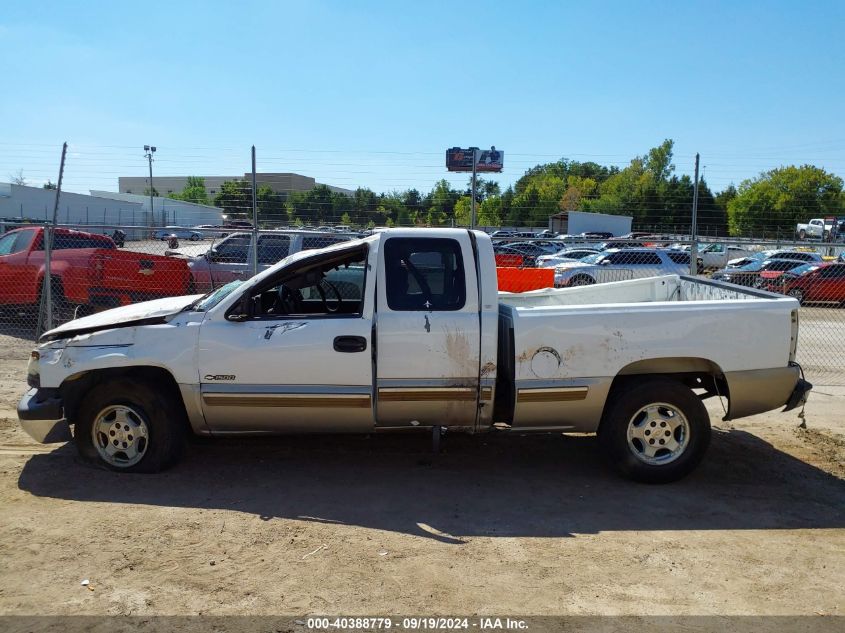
272,248
332,288
424,274
233,250
319,241
15,242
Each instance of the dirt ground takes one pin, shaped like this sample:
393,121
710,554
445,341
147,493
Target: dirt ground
374,525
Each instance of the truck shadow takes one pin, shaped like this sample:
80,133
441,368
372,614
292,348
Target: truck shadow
529,486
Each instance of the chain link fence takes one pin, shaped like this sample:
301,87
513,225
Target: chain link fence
92,268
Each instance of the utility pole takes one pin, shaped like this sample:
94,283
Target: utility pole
150,149
254,219
47,284
474,173
693,251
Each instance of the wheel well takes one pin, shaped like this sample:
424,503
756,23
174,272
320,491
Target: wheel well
74,388
695,373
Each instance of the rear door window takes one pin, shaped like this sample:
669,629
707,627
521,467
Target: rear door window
424,274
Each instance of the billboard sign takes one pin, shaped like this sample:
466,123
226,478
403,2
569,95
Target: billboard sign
460,159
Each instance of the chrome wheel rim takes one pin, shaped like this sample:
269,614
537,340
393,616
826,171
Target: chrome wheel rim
796,294
120,435
658,434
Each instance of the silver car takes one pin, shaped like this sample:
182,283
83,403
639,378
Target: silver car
565,255
621,264
180,232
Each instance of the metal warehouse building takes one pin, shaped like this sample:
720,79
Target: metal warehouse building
101,209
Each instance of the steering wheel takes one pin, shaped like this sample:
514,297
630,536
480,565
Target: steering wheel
288,301
335,292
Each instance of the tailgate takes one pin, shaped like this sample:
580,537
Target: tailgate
140,275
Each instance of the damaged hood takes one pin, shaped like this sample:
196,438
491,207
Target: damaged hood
135,314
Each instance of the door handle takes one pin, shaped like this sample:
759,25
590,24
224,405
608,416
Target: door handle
350,344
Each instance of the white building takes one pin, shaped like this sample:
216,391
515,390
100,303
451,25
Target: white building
102,211
167,211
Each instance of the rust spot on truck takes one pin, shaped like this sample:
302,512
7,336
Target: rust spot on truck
488,369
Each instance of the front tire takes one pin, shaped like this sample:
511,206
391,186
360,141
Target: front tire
582,280
654,430
802,234
797,293
130,426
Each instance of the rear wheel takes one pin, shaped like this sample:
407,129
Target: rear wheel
129,425
654,430
802,234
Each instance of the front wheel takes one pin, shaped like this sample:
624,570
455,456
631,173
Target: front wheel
797,293
654,430
130,426
582,280
802,234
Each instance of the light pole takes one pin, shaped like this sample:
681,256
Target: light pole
150,149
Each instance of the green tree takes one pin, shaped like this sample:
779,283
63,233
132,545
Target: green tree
271,206
235,198
194,191
774,202
345,219
49,185
463,211
489,213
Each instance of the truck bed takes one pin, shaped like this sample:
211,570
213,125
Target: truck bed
560,349
651,289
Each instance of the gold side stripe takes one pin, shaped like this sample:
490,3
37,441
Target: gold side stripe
289,400
562,394
486,393
427,394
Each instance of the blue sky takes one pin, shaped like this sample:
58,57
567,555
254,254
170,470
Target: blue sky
372,93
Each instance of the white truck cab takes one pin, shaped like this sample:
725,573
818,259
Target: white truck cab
406,330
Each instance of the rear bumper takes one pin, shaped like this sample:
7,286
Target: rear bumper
761,390
41,415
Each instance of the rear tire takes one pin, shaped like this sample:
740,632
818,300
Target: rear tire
654,430
130,426
802,234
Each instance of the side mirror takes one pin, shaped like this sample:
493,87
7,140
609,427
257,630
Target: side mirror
212,256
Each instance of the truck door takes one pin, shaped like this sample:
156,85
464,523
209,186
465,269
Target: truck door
428,332
300,358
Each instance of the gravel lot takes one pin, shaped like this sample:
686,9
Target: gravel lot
366,525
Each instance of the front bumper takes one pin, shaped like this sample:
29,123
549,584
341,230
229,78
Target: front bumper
41,415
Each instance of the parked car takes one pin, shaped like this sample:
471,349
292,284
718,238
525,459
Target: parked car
813,283
749,274
621,264
801,256
718,255
530,252
87,270
427,344
231,258
564,255
180,232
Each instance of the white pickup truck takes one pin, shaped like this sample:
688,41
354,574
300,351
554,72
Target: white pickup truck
405,330
817,227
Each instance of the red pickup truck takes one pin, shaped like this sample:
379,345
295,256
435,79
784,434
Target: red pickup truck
86,269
